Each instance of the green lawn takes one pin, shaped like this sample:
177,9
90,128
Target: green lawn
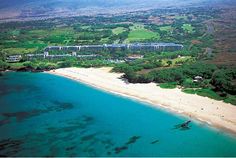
136,27
205,92
188,28
15,32
38,32
142,34
166,28
181,17
11,51
189,91
170,85
118,30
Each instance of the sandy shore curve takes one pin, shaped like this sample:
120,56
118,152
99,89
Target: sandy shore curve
215,113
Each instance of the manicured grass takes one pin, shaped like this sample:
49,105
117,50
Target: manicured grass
205,92
177,61
166,28
142,34
189,91
188,28
15,32
170,85
62,31
180,17
118,30
136,27
211,94
208,93
11,51
38,32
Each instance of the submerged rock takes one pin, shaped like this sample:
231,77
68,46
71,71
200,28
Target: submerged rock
120,149
88,137
10,147
132,140
155,141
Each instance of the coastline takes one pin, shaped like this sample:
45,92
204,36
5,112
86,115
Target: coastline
215,113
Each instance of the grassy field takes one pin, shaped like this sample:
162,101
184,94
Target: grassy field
170,85
188,28
139,33
180,17
13,51
206,92
118,30
167,28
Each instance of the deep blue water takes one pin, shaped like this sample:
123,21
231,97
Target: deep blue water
47,115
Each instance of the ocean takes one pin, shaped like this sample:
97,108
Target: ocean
47,115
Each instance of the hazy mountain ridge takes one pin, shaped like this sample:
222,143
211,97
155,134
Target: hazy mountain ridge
26,9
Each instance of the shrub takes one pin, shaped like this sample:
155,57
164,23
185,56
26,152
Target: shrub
208,93
231,99
170,85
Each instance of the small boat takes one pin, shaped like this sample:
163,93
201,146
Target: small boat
183,126
186,124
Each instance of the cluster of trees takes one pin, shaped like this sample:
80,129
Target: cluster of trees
109,26
96,35
3,65
137,65
225,80
219,79
39,66
184,72
122,36
163,75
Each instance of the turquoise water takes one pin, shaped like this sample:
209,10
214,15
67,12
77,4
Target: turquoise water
47,115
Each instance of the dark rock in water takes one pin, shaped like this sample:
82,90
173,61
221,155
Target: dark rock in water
132,140
12,146
88,137
37,70
28,114
22,69
3,122
155,141
88,118
23,115
70,148
120,149
60,106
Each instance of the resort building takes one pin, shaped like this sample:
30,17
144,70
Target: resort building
13,58
134,57
119,47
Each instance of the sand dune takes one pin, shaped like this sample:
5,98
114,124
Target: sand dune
216,113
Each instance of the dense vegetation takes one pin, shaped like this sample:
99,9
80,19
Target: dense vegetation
217,83
167,69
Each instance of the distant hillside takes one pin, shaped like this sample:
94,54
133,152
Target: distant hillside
35,9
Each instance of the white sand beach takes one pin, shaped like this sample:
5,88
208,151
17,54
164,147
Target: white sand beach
215,113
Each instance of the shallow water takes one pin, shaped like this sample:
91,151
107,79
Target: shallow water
47,115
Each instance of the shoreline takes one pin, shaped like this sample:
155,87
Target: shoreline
214,113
